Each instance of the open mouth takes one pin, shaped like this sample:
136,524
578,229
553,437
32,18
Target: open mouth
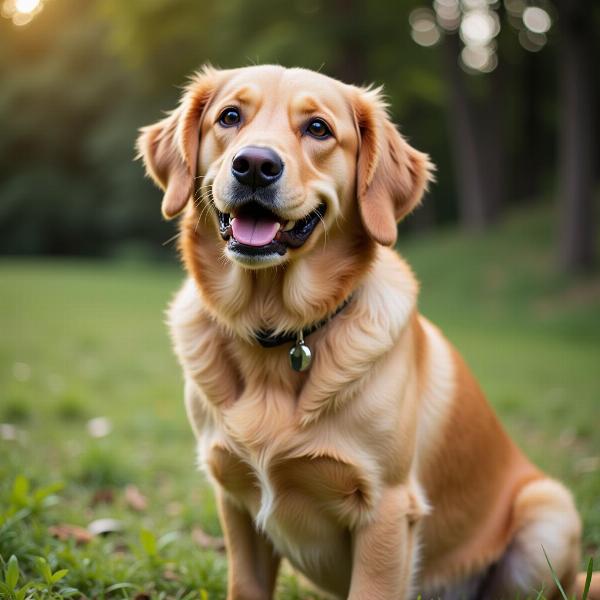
254,230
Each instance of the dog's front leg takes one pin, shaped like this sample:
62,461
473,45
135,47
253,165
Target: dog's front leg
384,548
252,560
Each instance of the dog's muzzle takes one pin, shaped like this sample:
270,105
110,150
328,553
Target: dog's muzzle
256,230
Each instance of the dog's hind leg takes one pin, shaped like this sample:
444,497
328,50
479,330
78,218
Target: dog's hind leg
545,520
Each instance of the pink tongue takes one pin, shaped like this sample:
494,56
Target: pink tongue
254,232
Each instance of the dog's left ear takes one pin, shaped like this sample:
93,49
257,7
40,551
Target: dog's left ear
391,175
169,148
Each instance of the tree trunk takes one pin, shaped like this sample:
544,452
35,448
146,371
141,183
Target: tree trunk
528,164
350,65
493,147
475,132
576,235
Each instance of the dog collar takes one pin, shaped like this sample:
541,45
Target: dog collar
300,354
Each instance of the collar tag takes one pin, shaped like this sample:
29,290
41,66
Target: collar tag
300,354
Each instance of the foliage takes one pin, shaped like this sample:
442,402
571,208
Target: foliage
82,77
70,116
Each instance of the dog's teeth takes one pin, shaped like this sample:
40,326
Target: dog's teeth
289,225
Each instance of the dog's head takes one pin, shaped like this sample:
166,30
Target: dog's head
281,158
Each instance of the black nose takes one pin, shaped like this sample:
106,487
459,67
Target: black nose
256,166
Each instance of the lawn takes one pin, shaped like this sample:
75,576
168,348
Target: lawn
93,424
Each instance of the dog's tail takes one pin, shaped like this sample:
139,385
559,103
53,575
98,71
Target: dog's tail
594,591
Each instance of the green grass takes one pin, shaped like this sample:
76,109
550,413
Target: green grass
81,339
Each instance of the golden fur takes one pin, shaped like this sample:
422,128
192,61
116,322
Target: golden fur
381,471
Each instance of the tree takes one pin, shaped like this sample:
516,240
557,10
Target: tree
482,43
477,139
577,142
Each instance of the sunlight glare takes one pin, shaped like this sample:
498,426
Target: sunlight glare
21,12
27,6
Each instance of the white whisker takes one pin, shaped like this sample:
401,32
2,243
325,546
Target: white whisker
171,239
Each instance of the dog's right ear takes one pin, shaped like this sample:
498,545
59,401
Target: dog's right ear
169,148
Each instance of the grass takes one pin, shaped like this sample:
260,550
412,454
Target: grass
83,340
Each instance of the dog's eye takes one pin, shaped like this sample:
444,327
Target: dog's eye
230,117
318,129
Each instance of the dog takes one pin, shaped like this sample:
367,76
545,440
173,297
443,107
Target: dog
339,427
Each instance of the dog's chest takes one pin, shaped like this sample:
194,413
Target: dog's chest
305,505
298,494
282,470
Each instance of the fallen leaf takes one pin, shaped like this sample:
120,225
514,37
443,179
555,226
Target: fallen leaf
103,496
207,541
135,499
142,596
105,526
65,532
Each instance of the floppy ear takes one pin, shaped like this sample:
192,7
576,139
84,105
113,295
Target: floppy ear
169,148
391,175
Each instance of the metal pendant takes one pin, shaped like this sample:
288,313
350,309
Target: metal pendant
300,354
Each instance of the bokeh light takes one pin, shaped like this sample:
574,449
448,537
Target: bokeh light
533,42
536,19
27,6
532,21
479,27
474,4
447,13
479,58
514,7
21,12
424,29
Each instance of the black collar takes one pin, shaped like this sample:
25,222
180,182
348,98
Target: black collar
267,339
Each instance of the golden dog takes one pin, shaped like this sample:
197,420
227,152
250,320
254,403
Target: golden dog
380,471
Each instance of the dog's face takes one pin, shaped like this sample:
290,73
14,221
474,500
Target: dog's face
278,154
283,158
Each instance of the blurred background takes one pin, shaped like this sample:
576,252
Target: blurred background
503,95
97,472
